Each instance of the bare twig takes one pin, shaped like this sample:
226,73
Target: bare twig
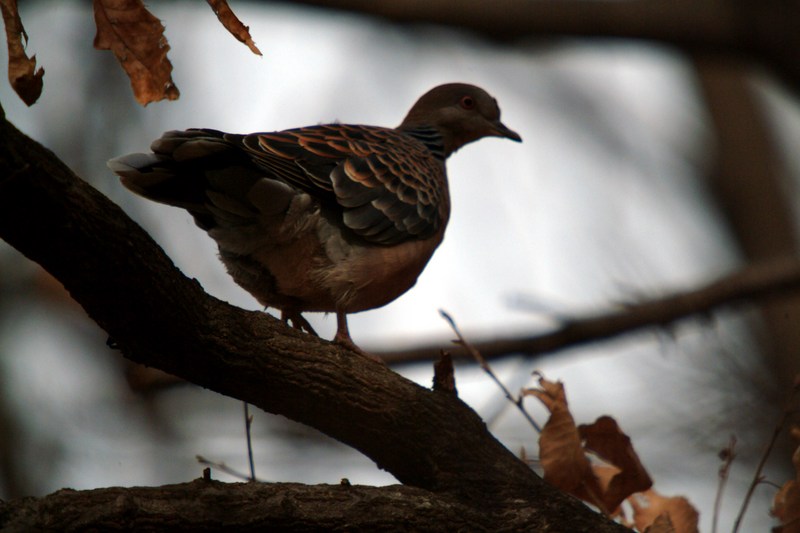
727,454
248,422
757,477
486,368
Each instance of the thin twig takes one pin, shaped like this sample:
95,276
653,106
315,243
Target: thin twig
486,368
757,477
727,455
248,421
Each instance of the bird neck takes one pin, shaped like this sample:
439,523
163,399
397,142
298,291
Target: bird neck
431,138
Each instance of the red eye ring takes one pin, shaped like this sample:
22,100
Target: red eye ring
467,102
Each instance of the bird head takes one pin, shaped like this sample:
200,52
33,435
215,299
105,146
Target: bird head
460,113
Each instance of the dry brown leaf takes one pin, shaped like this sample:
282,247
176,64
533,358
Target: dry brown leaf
561,455
232,23
137,39
649,505
551,394
662,524
22,74
604,474
605,438
786,505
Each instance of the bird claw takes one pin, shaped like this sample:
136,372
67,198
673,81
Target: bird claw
345,341
298,322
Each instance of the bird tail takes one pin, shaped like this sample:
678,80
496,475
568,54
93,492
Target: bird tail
184,168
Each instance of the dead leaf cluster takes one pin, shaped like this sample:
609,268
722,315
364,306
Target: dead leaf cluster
131,32
597,463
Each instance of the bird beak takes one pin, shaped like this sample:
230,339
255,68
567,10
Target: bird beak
501,130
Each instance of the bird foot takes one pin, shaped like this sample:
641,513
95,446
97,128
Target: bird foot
298,322
345,341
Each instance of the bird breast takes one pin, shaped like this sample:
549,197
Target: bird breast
308,262
368,276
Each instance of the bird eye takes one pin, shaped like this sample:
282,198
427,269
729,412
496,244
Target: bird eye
467,102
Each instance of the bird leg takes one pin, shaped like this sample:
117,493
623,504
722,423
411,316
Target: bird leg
342,338
298,321
343,333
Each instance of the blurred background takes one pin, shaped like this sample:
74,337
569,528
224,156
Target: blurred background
642,172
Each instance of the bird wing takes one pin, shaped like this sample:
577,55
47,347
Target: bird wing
387,185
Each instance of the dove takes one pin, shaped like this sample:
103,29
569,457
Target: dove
337,218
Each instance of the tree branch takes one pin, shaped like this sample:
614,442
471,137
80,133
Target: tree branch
778,278
158,317
765,31
205,505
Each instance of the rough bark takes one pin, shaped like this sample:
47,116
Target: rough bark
158,317
205,505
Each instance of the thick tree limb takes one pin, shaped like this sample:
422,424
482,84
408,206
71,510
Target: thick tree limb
205,505
211,505
769,280
160,318
765,31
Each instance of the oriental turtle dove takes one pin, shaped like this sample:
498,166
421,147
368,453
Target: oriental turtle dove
336,217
